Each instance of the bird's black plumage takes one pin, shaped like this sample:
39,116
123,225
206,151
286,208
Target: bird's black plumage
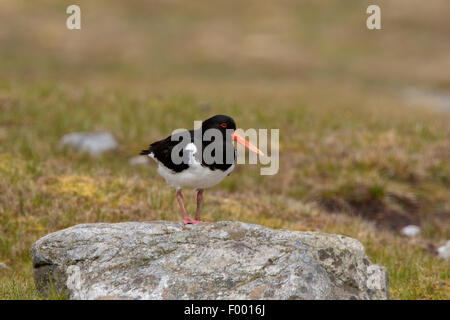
162,150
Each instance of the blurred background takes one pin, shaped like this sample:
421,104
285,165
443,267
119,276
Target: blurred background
363,118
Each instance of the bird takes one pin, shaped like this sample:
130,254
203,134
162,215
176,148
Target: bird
188,158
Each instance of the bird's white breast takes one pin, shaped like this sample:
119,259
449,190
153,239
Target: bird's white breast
195,176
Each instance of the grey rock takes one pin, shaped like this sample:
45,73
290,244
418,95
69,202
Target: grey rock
3,266
444,251
139,160
223,260
410,231
425,97
92,143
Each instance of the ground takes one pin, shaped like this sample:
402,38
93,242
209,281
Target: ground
356,158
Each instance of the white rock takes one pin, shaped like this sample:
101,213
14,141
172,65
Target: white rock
444,251
425,97
410,231
139,160
92,143
3,266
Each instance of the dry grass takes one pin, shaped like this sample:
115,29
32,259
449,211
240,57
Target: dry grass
355,158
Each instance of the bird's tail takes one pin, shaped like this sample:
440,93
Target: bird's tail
146,151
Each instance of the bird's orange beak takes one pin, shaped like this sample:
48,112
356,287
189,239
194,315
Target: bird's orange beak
236,137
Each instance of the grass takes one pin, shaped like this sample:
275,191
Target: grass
355,158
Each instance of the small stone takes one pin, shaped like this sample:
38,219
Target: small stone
139,160
91,143
3,266
444,251
424,97
410,231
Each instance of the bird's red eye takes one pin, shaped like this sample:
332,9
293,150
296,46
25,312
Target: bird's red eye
223,125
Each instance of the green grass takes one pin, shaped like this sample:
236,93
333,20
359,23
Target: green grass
355,158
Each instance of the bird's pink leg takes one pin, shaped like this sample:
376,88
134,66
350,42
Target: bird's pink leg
186,218
199,201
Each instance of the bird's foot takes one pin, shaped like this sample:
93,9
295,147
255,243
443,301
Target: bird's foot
190,221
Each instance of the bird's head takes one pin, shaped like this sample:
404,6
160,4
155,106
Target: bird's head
226,125
219,122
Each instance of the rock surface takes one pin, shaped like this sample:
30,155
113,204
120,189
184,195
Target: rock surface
92,143
224,260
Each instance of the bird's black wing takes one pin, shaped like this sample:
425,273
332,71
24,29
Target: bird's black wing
162,151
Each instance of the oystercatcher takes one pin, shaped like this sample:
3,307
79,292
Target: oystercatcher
193,162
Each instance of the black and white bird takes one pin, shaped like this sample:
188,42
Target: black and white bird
182,162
